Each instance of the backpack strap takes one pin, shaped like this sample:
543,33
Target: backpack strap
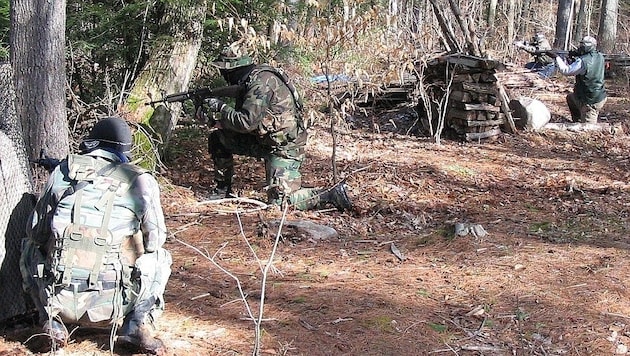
285,79
84,170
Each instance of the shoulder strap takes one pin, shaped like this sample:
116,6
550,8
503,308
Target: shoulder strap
285,79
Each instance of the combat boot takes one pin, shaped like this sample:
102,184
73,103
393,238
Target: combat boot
57,332
221,191
337,196
136,332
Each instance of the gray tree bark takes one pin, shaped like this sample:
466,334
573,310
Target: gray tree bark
523,27
580,20
607,34
492,13
37,43
563,24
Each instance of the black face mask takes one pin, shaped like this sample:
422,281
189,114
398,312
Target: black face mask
236,75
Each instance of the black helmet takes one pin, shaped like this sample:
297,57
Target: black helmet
112,133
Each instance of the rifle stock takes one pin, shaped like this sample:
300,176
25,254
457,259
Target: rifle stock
197,95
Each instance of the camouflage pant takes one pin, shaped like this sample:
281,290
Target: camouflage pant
582,112
282,166
115,297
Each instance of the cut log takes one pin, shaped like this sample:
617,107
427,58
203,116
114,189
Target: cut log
584,127
476,88
480,106
477,123
481,135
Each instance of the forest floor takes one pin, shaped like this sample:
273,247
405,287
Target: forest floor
549,276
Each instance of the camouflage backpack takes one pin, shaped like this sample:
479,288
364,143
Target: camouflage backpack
91,265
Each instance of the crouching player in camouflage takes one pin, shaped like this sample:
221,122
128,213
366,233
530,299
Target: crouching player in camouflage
266,122
94,255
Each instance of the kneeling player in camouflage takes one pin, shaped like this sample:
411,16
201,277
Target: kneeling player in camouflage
94,255
266,122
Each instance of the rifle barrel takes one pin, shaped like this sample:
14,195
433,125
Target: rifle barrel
200,94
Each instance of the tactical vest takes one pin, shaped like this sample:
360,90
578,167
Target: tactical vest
88,258
589,87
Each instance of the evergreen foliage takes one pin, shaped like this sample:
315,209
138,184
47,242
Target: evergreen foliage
4,30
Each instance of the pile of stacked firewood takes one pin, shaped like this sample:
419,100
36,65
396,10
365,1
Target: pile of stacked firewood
477,103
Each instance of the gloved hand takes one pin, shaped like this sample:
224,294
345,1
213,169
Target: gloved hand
200,114
214,104
202,117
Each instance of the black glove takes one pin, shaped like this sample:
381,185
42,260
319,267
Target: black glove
214,104
47,163
202,116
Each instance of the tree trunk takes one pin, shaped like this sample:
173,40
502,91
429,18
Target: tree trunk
38,60
471,40
16,200
492,13
511,17
563,24
448,35
580,20
168,70
607,34
523,29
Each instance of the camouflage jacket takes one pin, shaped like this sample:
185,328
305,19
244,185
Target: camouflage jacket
268,109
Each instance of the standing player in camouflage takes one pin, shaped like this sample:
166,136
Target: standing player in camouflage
265,123
589,94
94,255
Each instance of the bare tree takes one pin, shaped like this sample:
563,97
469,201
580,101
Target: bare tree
563,23
523,24
38,58
580,20
607,34
492,13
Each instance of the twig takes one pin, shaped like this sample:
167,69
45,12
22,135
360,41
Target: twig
412,325
617,315
480,348
360,170
339,320
259,320
264,279
216,264
231,301
200,296
184,228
